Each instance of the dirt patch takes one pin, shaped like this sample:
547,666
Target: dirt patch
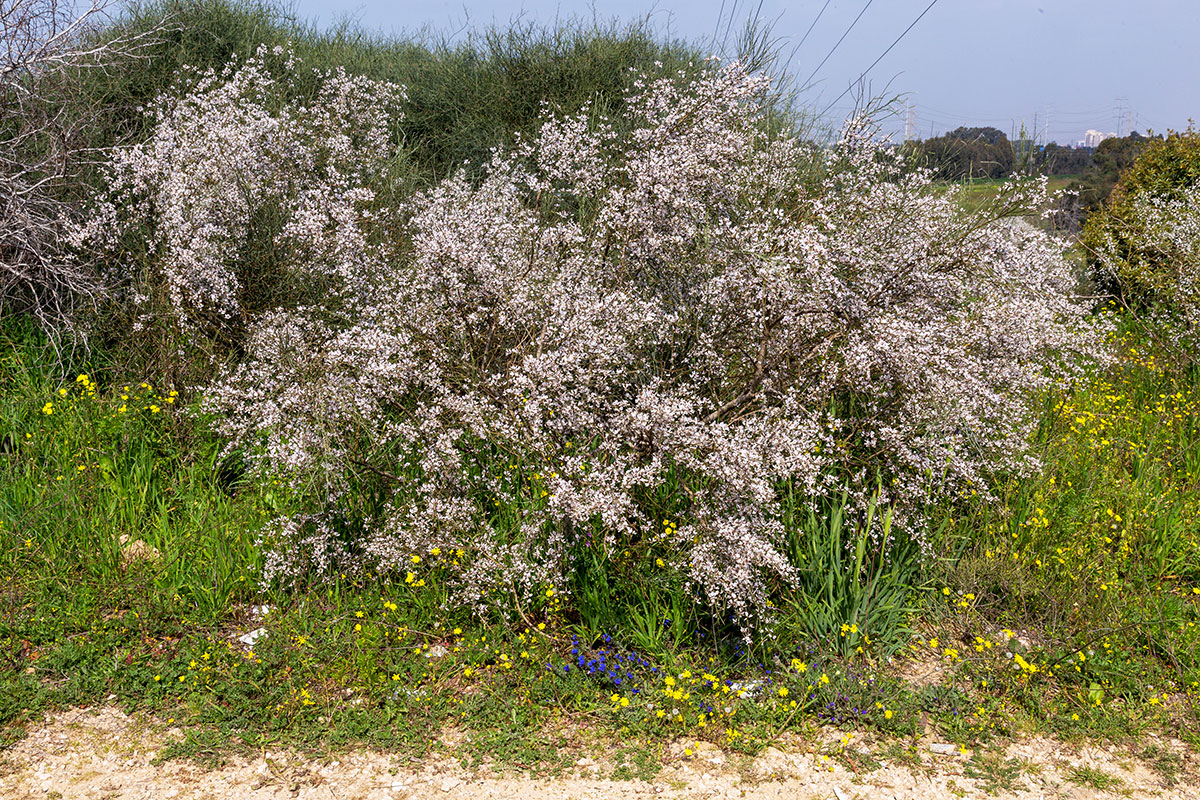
923,669
103,753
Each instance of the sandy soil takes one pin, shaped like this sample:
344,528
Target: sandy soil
102,753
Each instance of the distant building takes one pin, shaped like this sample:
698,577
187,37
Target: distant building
1092,139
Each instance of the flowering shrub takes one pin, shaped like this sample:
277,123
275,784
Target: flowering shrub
1121,252
235,168
608,329
1159,249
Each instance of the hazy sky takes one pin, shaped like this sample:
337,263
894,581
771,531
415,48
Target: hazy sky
1068,65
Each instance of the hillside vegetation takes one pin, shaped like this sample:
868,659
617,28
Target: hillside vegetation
558,374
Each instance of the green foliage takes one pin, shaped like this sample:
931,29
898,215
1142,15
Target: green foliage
635,596
1162,170
1095,778
968,153
1116,506
994,771
1057,159
855,579
465,97
90,471
1098,555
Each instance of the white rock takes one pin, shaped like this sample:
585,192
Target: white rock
253,636
751,688
136,550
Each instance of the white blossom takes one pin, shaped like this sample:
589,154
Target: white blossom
691,315
1166,236
223,160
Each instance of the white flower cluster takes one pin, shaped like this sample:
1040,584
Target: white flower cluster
684,320
229,160
1165,238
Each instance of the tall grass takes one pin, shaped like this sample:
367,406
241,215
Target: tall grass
858,583
89,470
1110,527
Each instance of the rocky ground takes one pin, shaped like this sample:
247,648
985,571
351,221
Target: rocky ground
103,753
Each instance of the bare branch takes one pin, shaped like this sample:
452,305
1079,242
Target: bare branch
43,46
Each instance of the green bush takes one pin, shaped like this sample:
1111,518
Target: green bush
1121,257
465,97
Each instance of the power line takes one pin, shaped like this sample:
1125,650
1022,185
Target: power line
1099,111
814,24
728,24
961,119
733,9
717,28
884,53
808,80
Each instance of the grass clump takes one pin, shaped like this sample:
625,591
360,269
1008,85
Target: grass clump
1095,778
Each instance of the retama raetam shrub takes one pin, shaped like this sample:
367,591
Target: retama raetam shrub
677,316
1144,245
1159,248
241,202
1122,254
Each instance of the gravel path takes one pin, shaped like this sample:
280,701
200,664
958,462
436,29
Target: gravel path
102,753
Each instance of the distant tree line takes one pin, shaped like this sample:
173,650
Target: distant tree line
974,153
967,153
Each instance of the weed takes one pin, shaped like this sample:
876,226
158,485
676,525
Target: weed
1166,762
857,761
903,753
1098,779
994,772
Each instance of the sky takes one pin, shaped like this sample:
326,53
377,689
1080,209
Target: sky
1056,67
